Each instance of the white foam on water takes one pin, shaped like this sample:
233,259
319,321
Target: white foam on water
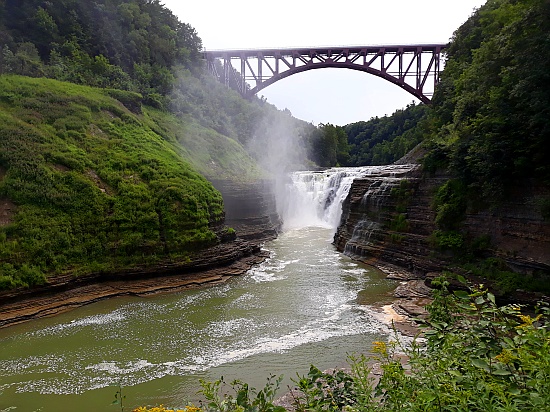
336,322
231,327
94,320
357,272
271,270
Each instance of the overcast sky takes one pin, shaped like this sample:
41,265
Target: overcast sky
337,96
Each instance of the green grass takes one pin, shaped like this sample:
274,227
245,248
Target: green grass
97,186
211,153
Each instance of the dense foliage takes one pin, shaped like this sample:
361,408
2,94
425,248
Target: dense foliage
378,141
492,109
329,146
386,139
88,185
128,44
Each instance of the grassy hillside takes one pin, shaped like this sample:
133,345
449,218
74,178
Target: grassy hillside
90,180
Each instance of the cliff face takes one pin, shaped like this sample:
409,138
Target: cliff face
250,209
394,226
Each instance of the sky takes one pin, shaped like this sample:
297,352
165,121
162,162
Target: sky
337,96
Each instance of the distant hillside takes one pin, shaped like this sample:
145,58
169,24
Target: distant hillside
383,140
139,46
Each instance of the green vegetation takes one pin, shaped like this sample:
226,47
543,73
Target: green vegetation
246,398
140,46
101,170
329,145
399,223
402,194
447,240
450,203
489,127
490,122
94,187
495,272
477,356
378,141
383,140
125,44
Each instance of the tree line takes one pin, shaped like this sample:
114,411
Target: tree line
126,44
489,121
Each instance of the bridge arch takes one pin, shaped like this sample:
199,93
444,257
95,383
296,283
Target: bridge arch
415,68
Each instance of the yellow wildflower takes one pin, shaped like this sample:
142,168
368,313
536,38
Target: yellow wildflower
506,357
380,347
527,320
161,408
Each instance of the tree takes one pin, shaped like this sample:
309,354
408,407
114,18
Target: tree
493,106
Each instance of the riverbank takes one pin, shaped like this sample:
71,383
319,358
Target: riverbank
410,298
64,293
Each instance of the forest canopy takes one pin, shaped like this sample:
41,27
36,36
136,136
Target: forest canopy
491,120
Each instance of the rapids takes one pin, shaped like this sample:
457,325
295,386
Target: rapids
305,304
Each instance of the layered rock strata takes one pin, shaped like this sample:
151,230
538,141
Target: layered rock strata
63,293
384,220
250,210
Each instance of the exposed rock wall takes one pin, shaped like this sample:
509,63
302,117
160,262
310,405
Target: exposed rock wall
250,209
369,227
64,293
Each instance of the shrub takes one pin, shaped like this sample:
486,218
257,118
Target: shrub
246,399
450,205
447,240
399,223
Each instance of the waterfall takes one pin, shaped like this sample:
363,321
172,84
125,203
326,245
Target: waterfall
309,198
315,198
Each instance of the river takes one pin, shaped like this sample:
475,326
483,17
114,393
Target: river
306,304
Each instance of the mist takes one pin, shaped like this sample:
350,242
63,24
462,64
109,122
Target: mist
279,146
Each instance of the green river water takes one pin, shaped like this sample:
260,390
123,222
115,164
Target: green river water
306,304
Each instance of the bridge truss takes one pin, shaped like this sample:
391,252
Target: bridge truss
415,68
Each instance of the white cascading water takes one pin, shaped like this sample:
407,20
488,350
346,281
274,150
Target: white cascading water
309,198
315,198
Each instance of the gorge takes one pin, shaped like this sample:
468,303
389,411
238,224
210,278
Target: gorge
128,171
381,216
304,301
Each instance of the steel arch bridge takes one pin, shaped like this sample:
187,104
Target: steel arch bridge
415,68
